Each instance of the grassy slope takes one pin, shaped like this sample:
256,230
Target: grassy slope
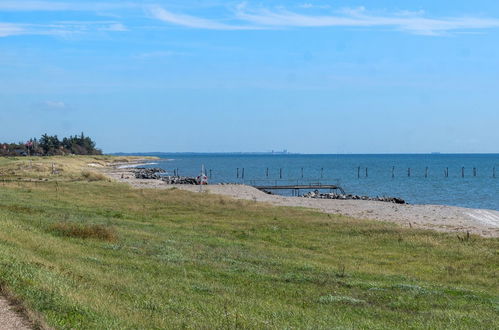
203,261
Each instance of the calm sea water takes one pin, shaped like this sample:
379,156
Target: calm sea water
387,175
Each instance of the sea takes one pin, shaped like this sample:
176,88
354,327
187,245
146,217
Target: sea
466,180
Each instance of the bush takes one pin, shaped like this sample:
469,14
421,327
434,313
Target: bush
100,232
94,176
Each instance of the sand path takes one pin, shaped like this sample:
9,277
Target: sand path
10,319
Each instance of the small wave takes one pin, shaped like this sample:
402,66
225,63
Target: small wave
136,165
487,217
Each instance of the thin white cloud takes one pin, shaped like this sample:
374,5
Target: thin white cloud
6,5
308,5
193,21
55,104
33,6
8,29
115,27
63,28
52,106
359,17
244,17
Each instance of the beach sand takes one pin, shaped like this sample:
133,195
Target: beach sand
435,217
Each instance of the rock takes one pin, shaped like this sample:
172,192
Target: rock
148,173
179,180
316,194
159,174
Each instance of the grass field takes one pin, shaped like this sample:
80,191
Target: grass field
84,252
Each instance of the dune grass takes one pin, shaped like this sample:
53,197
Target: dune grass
176,259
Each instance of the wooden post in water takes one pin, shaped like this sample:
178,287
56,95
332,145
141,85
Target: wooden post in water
474,171
267,172
393,172
446,172
280,173
302,172
237,173
358,172
367,174
426,172
409,172
462,172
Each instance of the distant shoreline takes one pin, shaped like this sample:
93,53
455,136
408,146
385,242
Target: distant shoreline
258,153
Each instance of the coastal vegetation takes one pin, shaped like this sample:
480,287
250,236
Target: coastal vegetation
50,146
80,251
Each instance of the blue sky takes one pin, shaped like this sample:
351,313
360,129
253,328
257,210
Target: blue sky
308,76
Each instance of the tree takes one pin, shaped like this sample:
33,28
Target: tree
51,145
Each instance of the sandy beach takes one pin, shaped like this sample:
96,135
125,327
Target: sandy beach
435,217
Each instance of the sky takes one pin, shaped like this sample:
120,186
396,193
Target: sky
342,76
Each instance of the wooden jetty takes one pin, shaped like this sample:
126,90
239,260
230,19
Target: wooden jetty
300,187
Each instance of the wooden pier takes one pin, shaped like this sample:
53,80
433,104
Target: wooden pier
300,187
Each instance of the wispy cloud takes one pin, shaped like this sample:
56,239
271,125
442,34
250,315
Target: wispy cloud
6,5
193,21
246,18
65,28
52,106
115,27
8,29
360,17
55,104
308,5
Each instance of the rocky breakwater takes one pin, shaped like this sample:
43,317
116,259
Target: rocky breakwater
149,173
159,174
179,180
318,195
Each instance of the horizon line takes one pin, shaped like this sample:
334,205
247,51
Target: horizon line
280,153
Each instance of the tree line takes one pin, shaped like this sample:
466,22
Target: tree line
48,145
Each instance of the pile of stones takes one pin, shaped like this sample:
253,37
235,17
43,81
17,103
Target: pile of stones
157,173
318,195
179,180
149,173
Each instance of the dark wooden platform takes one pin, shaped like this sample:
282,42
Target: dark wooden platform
299,187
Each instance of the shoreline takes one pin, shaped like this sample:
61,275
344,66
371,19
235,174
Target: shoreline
441,218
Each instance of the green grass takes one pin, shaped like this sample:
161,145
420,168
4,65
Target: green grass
179,259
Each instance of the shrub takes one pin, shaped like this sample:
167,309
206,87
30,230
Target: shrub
94,176
68,229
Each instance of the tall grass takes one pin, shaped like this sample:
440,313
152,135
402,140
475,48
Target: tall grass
93,176
101,232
